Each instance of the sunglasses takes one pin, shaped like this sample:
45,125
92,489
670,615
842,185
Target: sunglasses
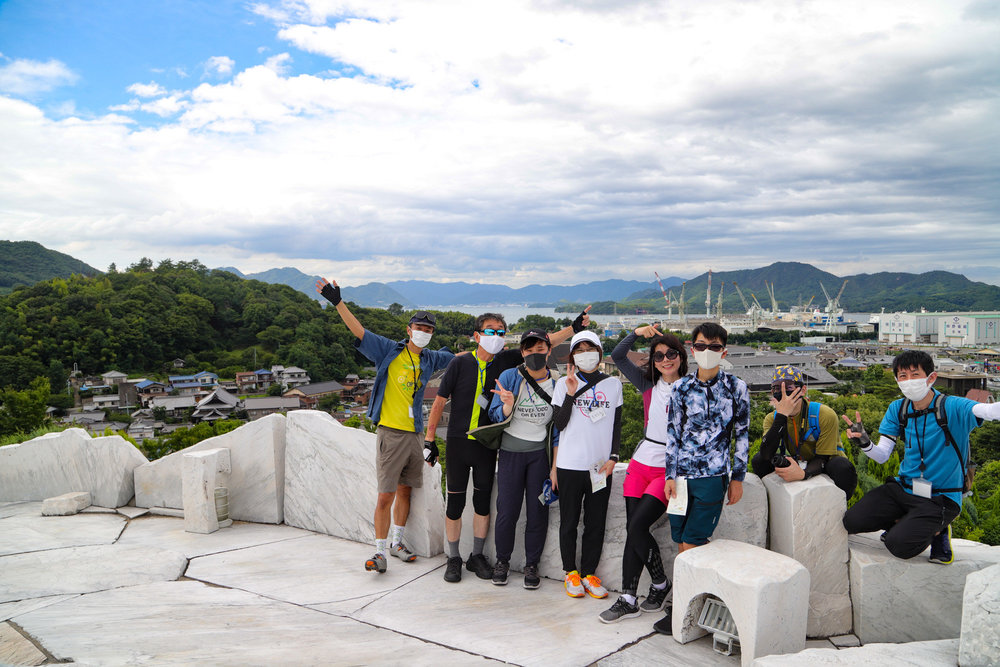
776,391
714,347
493,332
669,354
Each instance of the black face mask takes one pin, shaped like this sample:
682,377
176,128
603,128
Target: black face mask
535,362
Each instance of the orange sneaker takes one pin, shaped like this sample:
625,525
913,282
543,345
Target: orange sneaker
574,588
592,584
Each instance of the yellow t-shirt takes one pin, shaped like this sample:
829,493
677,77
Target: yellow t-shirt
829,433
474,421
402,381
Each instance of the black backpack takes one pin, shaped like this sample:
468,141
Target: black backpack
937,409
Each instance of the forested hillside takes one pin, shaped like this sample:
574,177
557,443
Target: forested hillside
27,262
141,319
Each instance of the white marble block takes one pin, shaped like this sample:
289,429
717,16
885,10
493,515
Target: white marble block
69,461
745,521
330,485
203,472
256,491
806,522
899,600
66,504
766,593
938,653
979,643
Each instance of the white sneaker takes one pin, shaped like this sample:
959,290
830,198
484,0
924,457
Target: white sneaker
592,584
574,588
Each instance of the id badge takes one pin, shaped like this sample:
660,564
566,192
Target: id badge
597,414
802,464
679,504
922,487
597,480
410,409
482,402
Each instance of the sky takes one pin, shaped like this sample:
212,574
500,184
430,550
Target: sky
515,142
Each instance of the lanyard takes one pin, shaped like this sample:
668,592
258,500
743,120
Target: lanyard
531,394
480,386
413,367
920,439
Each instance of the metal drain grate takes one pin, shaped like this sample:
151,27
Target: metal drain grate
715,618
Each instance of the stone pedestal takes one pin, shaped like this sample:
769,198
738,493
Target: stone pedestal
806,524
766,593
330,485
745,521
980,639
257,481
70,461
66,504
898,600
203,473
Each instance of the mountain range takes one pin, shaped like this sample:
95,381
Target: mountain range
27,262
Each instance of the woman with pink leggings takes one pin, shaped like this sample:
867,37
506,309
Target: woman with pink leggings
645,501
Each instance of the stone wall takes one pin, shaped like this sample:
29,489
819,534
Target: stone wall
70,461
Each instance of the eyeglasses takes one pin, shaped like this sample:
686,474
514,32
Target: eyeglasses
669,354
493,332
714,347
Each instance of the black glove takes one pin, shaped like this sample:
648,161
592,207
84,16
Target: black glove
578,323
331,293
857,435
431,452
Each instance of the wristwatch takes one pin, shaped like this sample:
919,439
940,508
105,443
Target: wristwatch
613,457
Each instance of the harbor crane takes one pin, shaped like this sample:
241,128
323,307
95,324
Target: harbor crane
708,296
746,306
667,296
774,302
833,303
718,304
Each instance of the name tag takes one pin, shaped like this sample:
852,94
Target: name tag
410,409
596,415
482,402
922,487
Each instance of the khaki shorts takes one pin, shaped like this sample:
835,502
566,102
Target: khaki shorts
399,459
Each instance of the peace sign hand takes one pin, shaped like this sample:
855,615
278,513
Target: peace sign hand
572,382
856,430
506,397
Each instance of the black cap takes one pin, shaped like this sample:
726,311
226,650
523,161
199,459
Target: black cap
423,317
537,334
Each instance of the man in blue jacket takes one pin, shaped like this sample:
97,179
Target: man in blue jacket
403,369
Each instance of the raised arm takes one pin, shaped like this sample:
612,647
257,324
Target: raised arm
331,292
581,322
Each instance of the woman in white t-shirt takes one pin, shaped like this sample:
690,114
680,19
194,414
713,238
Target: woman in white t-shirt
645,501
588,415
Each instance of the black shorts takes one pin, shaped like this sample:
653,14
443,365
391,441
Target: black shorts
465,455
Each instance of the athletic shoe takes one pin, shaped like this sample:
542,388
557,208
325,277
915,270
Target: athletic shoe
402,553
665,625
619,610
500,571
531,578
574,588
376,563
941,552
453,571
477,563
655,598
593,587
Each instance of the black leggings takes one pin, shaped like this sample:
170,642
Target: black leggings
640,547
461,456
575,494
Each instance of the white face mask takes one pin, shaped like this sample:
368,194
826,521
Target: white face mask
707,359
587,361
420,338
914,389
492,344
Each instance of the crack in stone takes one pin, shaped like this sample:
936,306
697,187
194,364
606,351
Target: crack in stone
49,658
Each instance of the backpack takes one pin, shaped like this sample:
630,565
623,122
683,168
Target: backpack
937,408
813,429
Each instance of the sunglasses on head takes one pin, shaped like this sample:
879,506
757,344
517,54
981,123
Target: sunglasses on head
493,332
714,347
669,354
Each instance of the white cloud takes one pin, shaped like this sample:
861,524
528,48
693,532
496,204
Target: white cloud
549,142
219,66
151,89
30,77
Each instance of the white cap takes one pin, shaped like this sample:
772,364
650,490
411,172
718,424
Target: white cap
586,335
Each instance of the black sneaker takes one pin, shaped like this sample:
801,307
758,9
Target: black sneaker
655,598
941,552
500,571
531,578
619,610
665,625
453,571
477,563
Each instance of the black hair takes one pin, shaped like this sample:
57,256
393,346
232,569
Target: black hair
530,342
674,343
482,319
913,359
711,331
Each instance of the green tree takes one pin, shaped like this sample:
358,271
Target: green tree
24,411
395,309
274,390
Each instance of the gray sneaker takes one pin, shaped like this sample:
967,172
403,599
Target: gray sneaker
376,564
619,610
500,571
655,599
402,553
